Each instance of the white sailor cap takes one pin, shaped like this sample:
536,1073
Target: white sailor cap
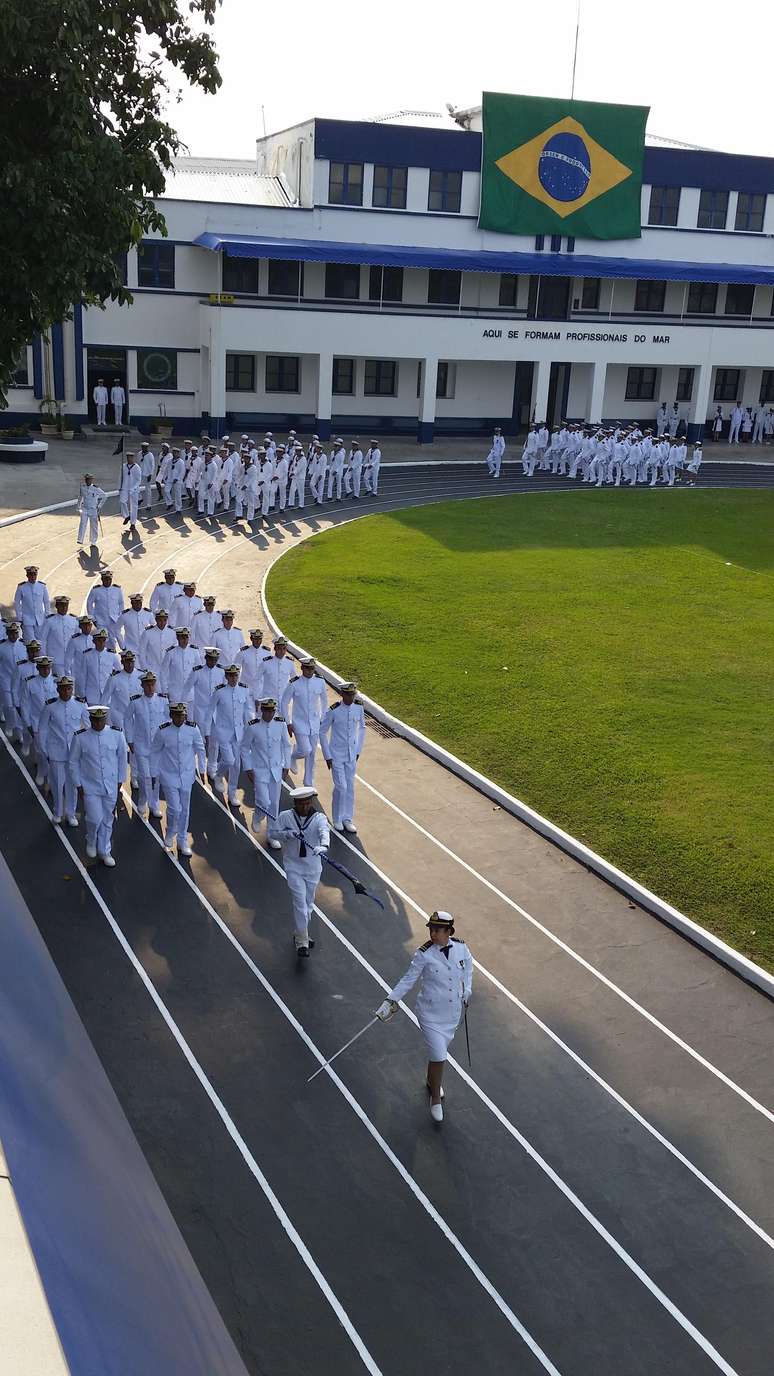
304,792
267,702
98,710
211,650
308,661
440,919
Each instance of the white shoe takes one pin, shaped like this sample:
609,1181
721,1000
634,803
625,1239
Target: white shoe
351,828
184,850
337,828
108,860
156,812
169,846
39,780
25,751
275,845
91,851
234,801
436,1113
57,821
72,821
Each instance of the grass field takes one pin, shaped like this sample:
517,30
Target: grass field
608,657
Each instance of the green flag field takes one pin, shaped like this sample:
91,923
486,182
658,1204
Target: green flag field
606,656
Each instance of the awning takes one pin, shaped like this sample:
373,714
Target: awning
464,260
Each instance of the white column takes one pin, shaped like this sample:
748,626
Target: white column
324,395
700,400
596,406
426,426
540,386
217,373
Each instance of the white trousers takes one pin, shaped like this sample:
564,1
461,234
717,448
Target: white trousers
129,506
90,519
99,821
223,757
305,748
118,407
357,474
64,794
266,497
334,476
9,713
267,796
178,799
297,492
317,484
757,434
279,489
303,877
733,434
101,413
148,784
343,791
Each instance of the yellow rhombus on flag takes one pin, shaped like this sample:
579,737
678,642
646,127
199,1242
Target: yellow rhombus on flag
522,165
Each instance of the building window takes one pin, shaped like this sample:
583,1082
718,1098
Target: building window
282,373
767,386
641,384
684,384
390,187
381,377
21,373
285,278
240,372
750,210
445,192
240,275
443,287
443,379
509,288
157,370
590,293
155,264
702,298
713,210
120,260
345,183
726,384
664,205
739,299
344,376
385,284
650,296
342,281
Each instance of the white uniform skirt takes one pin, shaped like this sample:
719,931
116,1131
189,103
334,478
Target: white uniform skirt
437,1038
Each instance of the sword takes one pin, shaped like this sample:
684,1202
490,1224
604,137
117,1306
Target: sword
467,1037
325,1064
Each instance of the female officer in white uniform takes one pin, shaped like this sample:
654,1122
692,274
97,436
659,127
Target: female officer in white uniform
444,966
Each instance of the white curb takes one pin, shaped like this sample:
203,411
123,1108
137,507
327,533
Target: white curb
44,510
685,926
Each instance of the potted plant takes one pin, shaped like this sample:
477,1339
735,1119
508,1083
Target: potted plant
48,416
164,427
14,435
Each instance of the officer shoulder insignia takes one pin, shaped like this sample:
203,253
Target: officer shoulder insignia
253,721
50,700
244,647
88,652
279,719
126,609
170,647
295,678
426,946
459,940
335,705
164,725
113,672
50,614
81,730
134,696
221,685
190,723
266,658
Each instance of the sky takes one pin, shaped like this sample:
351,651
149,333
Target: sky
704,68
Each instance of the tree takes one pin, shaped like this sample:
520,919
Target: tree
84,147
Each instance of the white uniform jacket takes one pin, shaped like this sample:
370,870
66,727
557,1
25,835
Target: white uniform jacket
342,733
232,709
105,606
199,691
229,643
154,644
36,692
183,610
276,673
57,725
251,659
176,671
203,627
177,751
55,638
445,982
266,748
119,689
144,716
293,831
132,626
164,594
305,702
93,672
31,604
99,761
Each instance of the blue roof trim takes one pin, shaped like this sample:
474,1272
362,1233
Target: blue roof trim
457,150
456,260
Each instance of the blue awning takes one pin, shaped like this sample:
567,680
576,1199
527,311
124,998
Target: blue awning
464,260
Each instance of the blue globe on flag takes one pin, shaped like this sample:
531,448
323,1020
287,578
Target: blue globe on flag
564,167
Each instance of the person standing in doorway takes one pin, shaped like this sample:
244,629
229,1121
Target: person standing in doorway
118,399
100,396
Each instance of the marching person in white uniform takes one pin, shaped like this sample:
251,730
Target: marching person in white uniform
58,630
164,594
185,607
276,671
204,625
305,838
200,688
147,473
495,456
31,603
279,491
134,621
146,712
100,397
129,491
304,704
105,605
36,690
265,750
228,638
178,751
336,468
94,668
250,659
59,720
231,711
176,668
22,670
373,461
122,685
99,762
118,398
444,967
342,733
155,642
91,500
80,641
297,490
356,468
12,654
737,416
173,487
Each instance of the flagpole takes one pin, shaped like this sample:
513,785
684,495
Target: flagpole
575,53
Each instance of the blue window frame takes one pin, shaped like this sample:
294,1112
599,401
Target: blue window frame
445,192
155,264
389,187
345,183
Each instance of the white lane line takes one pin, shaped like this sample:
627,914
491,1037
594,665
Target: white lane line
354,1104
575,955
291,1232
579,1061
569,1194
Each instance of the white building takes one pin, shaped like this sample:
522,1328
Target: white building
342,281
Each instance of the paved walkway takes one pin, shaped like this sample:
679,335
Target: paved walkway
30,1346
600,1198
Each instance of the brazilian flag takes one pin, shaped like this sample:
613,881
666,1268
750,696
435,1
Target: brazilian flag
561,167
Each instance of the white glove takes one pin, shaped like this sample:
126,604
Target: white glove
386,1010
466,1000
320,850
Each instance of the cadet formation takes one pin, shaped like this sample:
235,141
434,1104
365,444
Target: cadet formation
599,455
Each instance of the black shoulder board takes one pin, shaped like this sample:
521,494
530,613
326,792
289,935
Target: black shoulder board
50,614
170,647
295,679
335,705
197,667
164,725
134,696
266,658
81,730
221,685
458,939
113,672
201,609
278,718
88,652
244,647
50,700
163,695
189,723
426,946
126,609
253,721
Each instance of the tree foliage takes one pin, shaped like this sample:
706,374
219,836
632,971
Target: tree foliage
84,146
